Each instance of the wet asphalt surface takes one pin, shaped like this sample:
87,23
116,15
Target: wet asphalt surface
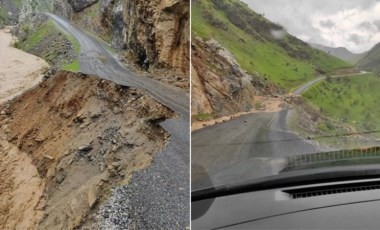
158,196
243,149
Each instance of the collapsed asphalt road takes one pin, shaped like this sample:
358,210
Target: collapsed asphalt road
157,197
97,60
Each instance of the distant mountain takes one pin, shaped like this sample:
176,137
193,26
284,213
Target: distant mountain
340,52
371,62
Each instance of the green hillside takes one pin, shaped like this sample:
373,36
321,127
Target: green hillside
288,62
353,100
371,62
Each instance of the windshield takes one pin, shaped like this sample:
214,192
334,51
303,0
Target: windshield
280,86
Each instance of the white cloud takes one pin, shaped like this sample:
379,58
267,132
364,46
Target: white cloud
354,28
354,24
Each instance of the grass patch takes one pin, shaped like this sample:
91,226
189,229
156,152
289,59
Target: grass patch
74,66
353,100
33,38
203,117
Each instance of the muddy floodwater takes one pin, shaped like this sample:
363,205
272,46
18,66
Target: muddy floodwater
18,70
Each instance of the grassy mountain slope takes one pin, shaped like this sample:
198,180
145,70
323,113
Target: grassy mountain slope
371,62
341,53
287,62
353,100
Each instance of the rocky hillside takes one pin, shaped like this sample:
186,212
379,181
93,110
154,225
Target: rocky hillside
79,145
219,84
341,53
152,34
371,62
253,56
9,10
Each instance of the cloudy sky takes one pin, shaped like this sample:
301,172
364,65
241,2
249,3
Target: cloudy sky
354,24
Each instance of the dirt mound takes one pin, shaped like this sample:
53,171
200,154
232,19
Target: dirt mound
79,136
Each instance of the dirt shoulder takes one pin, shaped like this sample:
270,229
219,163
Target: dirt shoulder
264,104
18,70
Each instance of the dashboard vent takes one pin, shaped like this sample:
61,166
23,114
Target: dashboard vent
332,189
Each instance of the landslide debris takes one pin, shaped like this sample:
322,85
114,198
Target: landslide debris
219,85
78,137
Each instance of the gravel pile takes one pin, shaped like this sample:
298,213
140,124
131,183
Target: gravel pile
158,196
114,214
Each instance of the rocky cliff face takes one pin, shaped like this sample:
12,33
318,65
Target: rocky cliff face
219,85
153,33
81,4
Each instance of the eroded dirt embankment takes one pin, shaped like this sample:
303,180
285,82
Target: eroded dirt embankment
83,136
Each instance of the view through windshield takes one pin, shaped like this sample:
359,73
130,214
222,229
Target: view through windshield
282,86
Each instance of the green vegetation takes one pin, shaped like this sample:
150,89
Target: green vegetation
74,66
287,62
33,38
353,100
36,39
203,117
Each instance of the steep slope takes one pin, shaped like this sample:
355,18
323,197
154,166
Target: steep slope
340,52
77,146
371,62
259,49
219,85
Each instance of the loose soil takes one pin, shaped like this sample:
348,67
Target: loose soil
73,137
264,104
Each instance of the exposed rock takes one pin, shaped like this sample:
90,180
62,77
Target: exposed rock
154,33
219,85
62,8
85,148
79,5
92,196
